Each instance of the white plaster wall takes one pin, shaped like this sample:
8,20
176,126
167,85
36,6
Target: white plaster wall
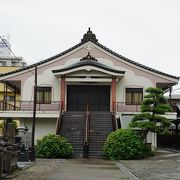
125,120
46,78
130,79
42,128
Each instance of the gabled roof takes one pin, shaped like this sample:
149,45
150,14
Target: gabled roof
88,61
89,36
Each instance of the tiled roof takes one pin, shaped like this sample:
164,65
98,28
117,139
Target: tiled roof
89,36
91,61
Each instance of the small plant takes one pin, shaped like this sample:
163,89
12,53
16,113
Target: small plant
124,144
53,146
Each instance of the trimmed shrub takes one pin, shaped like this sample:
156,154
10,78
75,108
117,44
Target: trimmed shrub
53,146
125,144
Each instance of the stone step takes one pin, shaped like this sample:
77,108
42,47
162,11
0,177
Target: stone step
73,125
101,127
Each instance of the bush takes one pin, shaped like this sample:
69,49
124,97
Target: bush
124,144
53,146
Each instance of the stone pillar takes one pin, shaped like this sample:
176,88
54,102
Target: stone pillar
63,92
113,91
11,132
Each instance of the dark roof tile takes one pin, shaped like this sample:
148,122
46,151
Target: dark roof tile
89,36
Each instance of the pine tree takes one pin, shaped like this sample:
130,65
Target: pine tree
153,106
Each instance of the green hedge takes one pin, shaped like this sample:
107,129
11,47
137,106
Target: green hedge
53,146
125,144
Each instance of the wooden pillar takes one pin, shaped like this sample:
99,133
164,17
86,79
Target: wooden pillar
113,91
63,92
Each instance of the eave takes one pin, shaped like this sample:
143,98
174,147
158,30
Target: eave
90,37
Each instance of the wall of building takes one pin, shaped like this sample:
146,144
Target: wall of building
47,78
43,126
134,76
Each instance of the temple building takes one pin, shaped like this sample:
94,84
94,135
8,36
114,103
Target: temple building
83,93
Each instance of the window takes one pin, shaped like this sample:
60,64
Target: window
43,95
10,98
134,95
2,63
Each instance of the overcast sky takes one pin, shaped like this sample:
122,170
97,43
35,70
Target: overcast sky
146,31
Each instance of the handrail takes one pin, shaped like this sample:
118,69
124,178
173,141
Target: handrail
59,122
126,107
86,142
113,122
7,106
28,106
113,117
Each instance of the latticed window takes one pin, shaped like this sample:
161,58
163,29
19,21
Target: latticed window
43,95
134,95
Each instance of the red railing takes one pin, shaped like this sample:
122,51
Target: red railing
124,107
28,106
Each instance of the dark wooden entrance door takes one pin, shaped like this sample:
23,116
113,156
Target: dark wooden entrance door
97,97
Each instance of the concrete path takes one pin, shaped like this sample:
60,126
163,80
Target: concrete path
80,169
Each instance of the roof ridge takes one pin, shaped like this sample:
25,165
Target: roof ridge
133,62
89,36
44,61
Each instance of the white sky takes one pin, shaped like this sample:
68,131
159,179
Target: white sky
146,31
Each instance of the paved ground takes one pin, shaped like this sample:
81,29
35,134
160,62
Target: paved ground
88,170
73,169
165,165
40,170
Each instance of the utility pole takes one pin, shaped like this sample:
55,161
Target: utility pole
34,117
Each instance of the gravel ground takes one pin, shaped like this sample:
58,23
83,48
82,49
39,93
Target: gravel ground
165,165
40,170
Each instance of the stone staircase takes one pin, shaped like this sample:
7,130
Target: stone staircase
100,128
72,129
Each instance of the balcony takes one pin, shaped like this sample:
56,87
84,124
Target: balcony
124,107
28,106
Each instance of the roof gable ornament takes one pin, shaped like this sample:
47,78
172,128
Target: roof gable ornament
88,58
89,36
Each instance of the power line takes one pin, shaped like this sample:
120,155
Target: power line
11,50
13,53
